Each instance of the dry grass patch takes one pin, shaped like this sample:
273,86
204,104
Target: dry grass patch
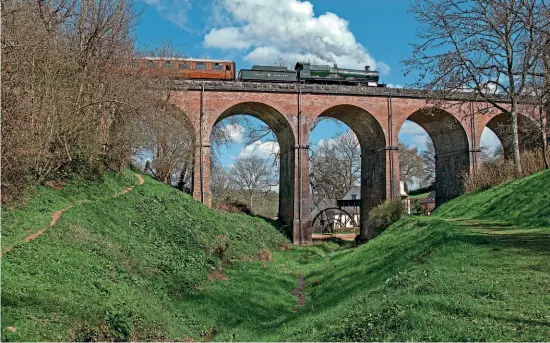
217,274
264,255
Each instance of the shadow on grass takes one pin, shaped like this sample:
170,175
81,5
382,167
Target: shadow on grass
532,243
278,224
337,240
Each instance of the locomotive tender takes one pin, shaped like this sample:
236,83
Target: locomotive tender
201,69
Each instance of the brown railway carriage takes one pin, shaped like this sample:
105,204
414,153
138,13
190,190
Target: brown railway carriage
188,68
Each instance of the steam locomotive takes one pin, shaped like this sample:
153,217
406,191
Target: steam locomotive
308,73
201,69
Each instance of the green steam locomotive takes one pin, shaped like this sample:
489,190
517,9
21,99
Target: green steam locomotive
311,73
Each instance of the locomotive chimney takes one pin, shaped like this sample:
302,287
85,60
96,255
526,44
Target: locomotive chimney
335,66
367,68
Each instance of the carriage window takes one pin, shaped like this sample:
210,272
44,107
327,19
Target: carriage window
200,66
228,67
168,64
151,64
184,65
217,66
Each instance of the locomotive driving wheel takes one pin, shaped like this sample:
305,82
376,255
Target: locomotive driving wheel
332,220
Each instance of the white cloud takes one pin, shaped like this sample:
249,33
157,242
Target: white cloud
411,128
235,132
413,135
289,29
174,11
226,38
420,141
391,85
489,139
329,142
260,149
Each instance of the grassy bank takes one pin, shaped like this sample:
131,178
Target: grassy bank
115,267
478,269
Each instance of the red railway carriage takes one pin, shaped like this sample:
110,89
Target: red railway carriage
188,68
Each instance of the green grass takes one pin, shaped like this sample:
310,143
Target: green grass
477,269
420,196
110,262
524,202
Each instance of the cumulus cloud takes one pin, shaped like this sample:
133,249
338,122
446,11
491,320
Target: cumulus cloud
411,128
235,132
174,11
227,38
260,149
271,29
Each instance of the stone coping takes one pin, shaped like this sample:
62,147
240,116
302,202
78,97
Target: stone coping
238,86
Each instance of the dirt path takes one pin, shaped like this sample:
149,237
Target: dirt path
55,217
57,214
140,182
342,236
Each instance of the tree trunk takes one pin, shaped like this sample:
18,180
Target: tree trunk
545,142
546,108
515,142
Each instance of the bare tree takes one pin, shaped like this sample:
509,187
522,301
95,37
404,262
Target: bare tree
349,152
539,86
219,181
489,154
253,175
335,167
428,161
411,166
479,48
64,110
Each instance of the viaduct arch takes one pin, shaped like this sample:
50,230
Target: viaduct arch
374,114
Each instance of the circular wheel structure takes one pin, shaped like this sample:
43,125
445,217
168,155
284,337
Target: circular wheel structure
331,220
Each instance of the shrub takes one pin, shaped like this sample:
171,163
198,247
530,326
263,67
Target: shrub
490,174
120,325
385,214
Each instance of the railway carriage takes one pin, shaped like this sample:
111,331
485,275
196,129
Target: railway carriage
188,68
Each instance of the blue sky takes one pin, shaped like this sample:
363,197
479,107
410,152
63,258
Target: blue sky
350,33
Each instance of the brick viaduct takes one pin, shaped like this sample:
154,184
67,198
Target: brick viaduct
374,114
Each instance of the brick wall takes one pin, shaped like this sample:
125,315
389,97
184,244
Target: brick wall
375,115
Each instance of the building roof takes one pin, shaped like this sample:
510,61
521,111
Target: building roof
429,199
353,190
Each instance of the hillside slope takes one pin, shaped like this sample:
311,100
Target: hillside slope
148,265
115,266
478,269
438,278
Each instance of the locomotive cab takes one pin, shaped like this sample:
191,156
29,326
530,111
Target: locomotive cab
303,70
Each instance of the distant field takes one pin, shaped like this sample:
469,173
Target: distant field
155,265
